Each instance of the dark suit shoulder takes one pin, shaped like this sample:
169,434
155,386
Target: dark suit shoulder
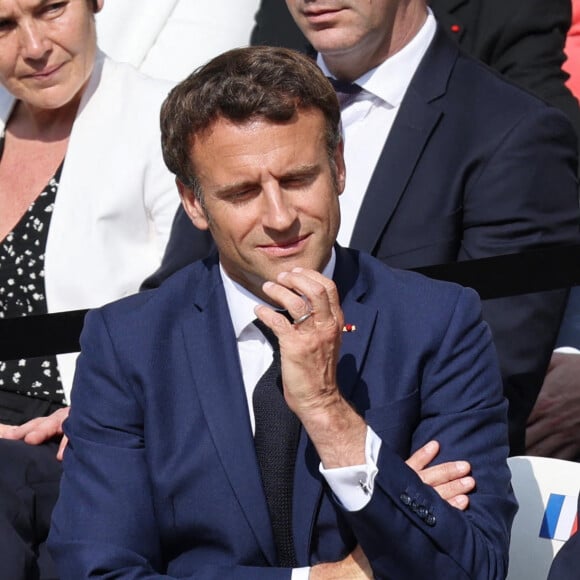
471,78
521,40
478,97
475,76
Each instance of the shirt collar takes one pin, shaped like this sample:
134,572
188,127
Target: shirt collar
241,302
390,80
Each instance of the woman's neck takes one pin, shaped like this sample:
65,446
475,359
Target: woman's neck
48,125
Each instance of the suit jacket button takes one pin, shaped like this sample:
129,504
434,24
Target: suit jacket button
431,520
422,512
405,498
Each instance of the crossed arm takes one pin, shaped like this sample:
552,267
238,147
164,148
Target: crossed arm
451,480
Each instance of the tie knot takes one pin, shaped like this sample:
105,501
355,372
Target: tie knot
268,334
346,91
345,87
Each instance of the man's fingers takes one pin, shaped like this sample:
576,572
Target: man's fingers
544,406
549,445
4,429
456,488
439,475
62,447
568,452
461,502
303,291
40,434
331,292
450,480
21,431
546,437
423,456
39,430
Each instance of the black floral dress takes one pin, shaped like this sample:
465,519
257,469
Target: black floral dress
22,293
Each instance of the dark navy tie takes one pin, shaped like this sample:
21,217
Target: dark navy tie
345,91
276,439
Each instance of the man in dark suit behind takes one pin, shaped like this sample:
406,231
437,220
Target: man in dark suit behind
183,399
523,41
448,163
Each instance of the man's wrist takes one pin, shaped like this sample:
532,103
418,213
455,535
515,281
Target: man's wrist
353,486
338,433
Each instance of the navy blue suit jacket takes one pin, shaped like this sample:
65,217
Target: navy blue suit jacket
473,167
161,477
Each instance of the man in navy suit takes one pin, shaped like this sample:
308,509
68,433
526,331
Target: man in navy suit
164,472
447,162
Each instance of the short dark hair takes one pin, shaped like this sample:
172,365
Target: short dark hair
240,85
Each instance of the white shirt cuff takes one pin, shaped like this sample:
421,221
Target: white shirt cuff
567,350
353,485
300,573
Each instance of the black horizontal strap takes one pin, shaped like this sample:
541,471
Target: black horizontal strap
550,268
41,335
539,270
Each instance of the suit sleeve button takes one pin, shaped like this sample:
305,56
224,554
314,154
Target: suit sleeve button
431,520
422,512
405,498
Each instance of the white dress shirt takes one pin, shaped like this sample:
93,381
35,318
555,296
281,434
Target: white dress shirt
367,120
352,485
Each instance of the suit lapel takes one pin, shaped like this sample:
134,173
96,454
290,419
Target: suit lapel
307,479
416,120
207,330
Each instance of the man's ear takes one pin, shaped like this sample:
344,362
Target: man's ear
98,5
192,205
340,167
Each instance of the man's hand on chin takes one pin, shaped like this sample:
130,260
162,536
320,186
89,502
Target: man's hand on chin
309,351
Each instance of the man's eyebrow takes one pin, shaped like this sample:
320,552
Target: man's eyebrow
296,172
301,171
233,187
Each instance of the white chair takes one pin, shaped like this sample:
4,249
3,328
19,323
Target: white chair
534,479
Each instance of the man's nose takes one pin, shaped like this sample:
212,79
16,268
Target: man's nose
278,211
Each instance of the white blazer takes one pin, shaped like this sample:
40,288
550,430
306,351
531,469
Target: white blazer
116,199
170,38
